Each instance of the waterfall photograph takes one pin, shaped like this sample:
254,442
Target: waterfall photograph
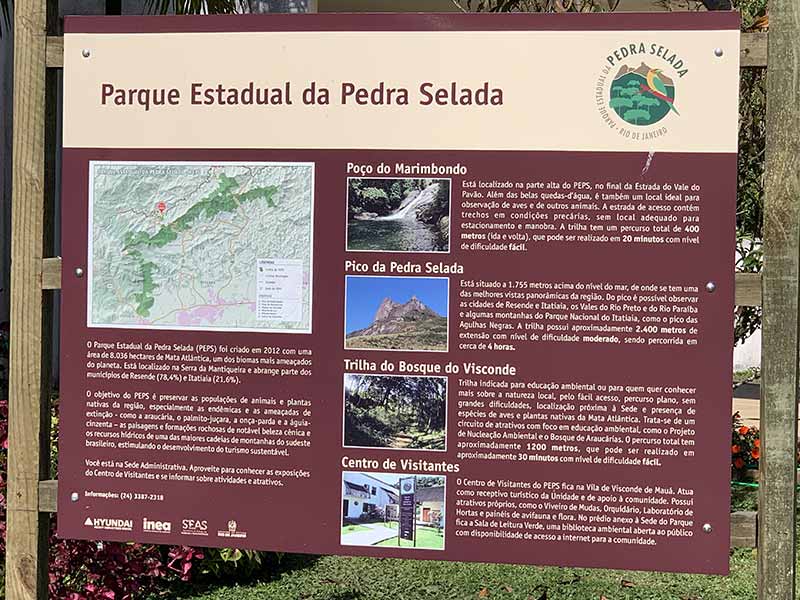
398,215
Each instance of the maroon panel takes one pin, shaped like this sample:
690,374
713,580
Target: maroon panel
539,468
689,21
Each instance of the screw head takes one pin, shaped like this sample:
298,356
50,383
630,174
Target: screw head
707,528
718,52
86,53
74,496
710,287
78,272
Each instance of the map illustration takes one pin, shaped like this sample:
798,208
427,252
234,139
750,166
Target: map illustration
201,246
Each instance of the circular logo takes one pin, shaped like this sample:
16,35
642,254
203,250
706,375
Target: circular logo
407,486
642,96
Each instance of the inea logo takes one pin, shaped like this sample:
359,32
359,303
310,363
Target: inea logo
156,526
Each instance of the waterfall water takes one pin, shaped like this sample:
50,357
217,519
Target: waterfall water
408,209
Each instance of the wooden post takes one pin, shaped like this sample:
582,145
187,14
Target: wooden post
781,281
32,197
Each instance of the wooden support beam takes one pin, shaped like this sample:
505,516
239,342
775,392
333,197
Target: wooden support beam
743,523
32,196
55,52
48,496
51,274
753,50
748,289
744,529
781,291
748,285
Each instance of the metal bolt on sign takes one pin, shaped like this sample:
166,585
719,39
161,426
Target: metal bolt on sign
718,52
707,528
86,53
78,272
710,287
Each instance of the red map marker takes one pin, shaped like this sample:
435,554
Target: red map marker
162,206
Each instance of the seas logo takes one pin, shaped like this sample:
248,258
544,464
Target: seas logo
636,91
151,526
109,524
194,527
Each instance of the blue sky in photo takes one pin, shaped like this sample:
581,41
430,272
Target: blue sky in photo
365,294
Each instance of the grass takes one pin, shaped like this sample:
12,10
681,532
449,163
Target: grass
305,577
743,497
427,537
359,578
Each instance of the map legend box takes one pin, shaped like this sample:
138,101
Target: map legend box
280,290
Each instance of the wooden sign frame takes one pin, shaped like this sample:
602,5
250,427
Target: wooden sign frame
36,273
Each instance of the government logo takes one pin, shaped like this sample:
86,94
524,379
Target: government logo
151,526
232,531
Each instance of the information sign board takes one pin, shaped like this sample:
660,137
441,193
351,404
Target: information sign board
489,253
408,508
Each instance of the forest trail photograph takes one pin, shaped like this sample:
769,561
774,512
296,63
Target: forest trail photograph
398,215
397,412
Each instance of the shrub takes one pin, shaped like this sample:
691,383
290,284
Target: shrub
745,446
232,562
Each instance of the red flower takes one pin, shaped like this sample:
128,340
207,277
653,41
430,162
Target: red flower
757,443
735,449
756,453
738,463
743,430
